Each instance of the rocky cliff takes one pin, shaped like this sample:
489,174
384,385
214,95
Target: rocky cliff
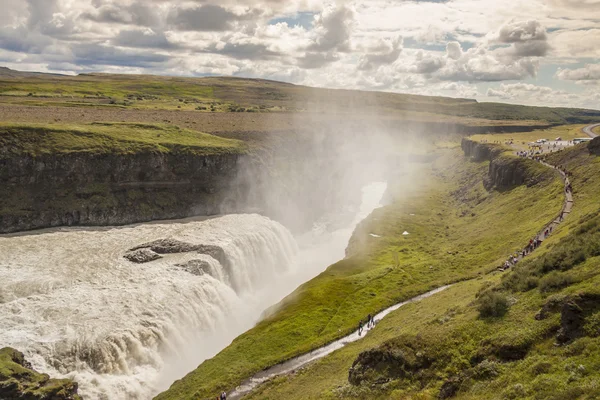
296,180
506,170
594,146
67,189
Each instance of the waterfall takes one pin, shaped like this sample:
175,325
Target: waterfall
77,308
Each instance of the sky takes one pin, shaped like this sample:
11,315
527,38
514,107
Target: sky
538,52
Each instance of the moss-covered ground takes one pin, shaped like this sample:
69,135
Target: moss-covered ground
19,381
445,346
110,138
457,231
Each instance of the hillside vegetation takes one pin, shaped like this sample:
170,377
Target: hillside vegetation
531,333
457,230
217,94
109,138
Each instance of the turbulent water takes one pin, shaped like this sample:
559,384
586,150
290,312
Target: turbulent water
78,309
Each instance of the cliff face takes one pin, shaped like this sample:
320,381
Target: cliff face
480,151
104,189
594,146
506,170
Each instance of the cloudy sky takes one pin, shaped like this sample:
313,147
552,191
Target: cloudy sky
533,52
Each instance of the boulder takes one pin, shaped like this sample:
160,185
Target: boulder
142,256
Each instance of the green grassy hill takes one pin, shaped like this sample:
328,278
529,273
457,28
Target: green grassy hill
531,333
110,138
458,231
219,94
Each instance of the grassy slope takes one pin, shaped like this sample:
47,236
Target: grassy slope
228,94
16,377
442,247
452,334
113,138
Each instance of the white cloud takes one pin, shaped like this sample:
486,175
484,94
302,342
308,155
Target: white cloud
591,72
432,47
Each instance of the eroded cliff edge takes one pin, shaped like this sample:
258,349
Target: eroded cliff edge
506,169
117,174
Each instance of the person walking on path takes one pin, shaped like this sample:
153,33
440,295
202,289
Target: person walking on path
369,321
360,327
223,396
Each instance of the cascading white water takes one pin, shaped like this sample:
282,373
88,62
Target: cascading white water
78,309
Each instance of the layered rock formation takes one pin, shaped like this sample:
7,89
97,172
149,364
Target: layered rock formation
505,170
102,189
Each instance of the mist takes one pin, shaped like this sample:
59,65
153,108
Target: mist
291,213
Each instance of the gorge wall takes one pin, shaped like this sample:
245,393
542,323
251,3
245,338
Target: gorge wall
296,181
52,190
506,170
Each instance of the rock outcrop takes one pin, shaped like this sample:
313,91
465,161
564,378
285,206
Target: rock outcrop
391,361
594,146
173,246
480,151
574,314
142,256
505,170
66,189
19,381
197,267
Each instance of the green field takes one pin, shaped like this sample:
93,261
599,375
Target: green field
458,231
113,138
219,94
521,140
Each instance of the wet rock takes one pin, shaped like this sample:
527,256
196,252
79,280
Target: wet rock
167,246
19,381
142,256
83,189
480,151
197,267
174,246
